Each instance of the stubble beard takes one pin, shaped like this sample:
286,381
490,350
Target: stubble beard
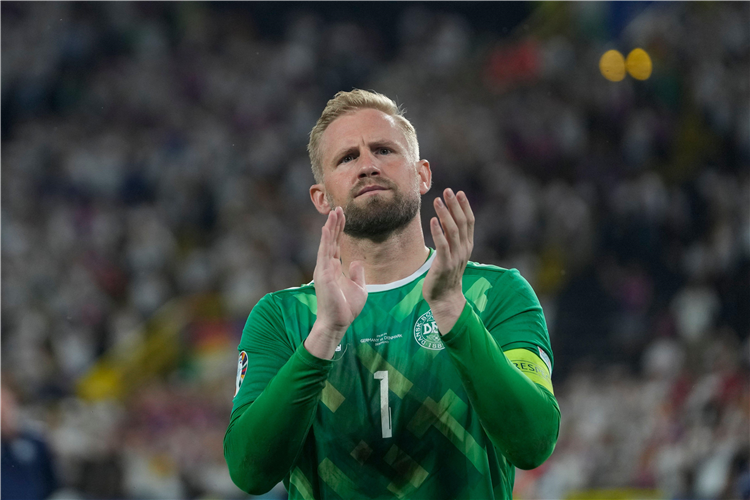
377,219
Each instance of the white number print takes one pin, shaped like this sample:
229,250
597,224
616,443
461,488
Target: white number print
385,410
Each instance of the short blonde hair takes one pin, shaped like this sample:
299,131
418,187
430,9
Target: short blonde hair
347,102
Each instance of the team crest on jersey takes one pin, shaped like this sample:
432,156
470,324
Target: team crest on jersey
241,370
426,332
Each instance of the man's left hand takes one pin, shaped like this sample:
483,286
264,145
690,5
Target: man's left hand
453,245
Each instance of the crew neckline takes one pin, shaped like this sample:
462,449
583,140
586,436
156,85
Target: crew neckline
403,281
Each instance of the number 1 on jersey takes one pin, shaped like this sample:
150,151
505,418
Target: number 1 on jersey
385,410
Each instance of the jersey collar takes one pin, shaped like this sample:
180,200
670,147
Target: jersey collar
416,274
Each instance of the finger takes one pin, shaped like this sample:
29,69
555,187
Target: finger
469,214
357,273
442,249
332,226
457,212
323,248
340,222
450,230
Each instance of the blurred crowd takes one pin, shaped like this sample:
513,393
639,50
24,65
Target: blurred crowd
157,150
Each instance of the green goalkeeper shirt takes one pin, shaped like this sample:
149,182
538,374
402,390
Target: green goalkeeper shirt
400,411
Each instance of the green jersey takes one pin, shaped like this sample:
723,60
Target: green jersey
394,419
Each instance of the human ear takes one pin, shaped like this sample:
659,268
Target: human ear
425,176
319,198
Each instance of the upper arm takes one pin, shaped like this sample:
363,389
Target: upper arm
532,366
514,317
265,347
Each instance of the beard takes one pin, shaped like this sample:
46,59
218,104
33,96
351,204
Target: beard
376,219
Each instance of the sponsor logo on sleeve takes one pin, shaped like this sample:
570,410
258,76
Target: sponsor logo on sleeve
426,332
529,367
241,371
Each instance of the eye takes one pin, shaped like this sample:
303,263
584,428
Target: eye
384,151
346,159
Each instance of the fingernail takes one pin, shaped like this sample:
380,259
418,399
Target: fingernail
439,202
450,194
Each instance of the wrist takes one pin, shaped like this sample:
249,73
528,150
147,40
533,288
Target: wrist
447,311
322,340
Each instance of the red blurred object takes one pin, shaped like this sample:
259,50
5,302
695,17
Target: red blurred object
211,333
509,65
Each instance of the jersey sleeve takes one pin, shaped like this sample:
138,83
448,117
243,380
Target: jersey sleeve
515,319
521,417
275,403
266,347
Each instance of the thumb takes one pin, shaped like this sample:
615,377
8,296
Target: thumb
357,273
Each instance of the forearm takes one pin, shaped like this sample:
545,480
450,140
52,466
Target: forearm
264,437
520,417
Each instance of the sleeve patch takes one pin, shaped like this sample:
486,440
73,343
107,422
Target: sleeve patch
546,359
241,371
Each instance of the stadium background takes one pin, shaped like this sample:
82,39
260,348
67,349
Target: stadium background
154,187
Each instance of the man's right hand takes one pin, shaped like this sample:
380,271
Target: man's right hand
340,298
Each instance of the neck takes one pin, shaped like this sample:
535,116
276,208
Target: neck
395,258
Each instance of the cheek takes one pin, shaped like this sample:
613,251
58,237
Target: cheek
418,187
329,200
337,191
415,182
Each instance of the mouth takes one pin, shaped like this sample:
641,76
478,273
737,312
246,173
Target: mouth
369,189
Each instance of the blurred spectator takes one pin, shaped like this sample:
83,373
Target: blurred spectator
28,469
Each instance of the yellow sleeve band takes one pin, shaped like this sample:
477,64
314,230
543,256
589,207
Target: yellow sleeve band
532,366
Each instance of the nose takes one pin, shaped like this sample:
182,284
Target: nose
368,165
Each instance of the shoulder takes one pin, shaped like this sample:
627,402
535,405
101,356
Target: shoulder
275,303
291,298
489,269
279,314
295,290
499,282
294,293
495,274
306,288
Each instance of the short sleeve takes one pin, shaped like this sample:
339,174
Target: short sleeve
263,350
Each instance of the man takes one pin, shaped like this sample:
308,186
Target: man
28,471
399,372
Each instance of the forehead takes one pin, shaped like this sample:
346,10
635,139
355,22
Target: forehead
357,127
